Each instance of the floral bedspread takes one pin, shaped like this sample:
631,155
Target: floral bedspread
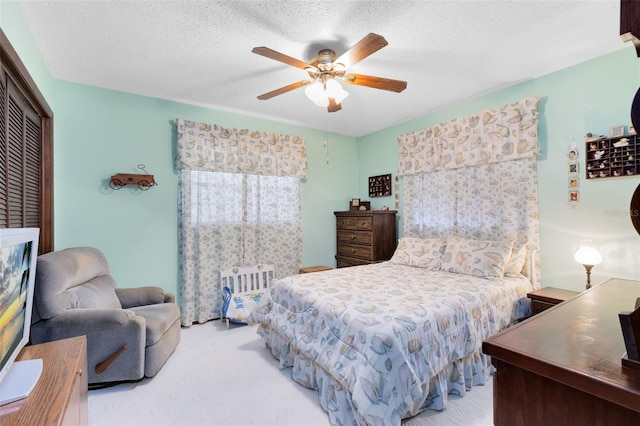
383,342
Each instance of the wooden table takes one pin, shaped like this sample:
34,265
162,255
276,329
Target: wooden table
563,366
60,396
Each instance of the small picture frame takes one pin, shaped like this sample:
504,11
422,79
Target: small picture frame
574,183
355,202
617,131
573,167
574,197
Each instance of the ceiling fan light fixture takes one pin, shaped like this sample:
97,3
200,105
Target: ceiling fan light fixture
334,90
326,69
320,92
316,93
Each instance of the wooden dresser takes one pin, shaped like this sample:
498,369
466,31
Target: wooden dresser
563,366
60,396
365,236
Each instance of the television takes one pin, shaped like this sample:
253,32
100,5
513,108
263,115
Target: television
18,257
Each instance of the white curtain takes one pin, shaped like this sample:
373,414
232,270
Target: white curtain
476,177
239,204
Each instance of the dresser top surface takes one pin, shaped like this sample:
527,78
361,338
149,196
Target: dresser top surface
364,212
578,343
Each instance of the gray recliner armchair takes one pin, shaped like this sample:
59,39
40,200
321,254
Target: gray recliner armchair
131,332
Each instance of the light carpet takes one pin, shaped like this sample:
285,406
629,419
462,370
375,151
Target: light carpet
227,377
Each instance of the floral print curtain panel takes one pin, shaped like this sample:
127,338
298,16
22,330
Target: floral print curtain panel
211,148
239,204
475,177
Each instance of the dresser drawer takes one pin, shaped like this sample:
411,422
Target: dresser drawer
364,236
358,223
364,252
355,237
538,306
344,262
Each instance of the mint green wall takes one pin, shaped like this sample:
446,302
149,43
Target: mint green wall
101,132
589,97
13,24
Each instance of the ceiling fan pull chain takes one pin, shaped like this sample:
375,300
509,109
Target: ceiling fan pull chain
326,135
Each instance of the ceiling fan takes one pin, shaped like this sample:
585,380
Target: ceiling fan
326,69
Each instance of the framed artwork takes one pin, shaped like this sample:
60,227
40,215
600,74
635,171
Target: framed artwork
573,167
617,131
380,186
574,197
574,182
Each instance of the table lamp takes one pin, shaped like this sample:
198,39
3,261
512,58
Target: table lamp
589,256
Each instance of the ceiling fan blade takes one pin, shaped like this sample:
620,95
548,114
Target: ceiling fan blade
376,82
280,57
284,89
333,106
370,44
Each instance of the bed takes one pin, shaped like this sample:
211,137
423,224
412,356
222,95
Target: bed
386,341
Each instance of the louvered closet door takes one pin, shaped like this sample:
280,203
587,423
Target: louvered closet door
20,186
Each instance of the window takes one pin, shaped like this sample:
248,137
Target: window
235,199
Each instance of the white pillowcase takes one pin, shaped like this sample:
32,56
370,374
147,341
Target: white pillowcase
419,252
480,258
514,265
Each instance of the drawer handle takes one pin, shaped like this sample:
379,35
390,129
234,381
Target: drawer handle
352,237
363,223
353,251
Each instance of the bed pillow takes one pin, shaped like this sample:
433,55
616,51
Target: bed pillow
480,258
419,252
237,307
513,267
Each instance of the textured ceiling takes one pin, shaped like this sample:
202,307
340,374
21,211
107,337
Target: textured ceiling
199,52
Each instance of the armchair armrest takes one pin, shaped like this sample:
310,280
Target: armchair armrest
140,296
87,320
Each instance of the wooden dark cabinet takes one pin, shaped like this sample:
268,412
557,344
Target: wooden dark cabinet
563,366
365,236
612,157
548,297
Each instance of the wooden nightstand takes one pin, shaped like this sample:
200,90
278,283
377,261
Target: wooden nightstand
548,297
310,269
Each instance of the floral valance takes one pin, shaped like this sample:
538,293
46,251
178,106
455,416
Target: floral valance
491,136
209,147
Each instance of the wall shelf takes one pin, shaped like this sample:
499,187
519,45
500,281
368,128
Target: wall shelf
612,157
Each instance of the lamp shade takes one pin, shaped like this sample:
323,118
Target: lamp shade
316,93
320,92
335,91
588,254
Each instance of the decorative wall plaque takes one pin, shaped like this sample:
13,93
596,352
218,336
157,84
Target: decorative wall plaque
380,186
